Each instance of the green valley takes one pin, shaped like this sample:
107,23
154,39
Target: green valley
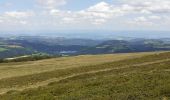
2,49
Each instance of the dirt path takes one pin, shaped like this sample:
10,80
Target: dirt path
44,83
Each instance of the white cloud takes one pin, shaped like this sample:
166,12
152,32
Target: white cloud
23,22
103,12
68,20
51,4
100,10
92,15
146,20
100,7
99,21
154,6
141,19
133,12
16,14
15,17
154,17
54,11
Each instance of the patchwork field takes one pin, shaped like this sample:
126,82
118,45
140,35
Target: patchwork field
132,76
2,49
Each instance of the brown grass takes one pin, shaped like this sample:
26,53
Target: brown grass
27,68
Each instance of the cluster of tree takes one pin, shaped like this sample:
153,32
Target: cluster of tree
33,57
53,49
15,52
121,46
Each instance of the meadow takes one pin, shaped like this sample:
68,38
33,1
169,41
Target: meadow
131,76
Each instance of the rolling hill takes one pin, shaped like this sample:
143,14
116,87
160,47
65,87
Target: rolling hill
131,76
122,46
58,46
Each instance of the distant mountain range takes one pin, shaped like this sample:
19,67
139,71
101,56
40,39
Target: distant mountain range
26,45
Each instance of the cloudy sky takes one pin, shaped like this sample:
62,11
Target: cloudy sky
55,15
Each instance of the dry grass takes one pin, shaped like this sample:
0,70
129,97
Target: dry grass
142,78
27,68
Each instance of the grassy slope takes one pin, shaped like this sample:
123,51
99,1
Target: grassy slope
27,68
146,77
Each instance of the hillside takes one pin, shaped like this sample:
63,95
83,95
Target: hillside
58,46
133,76
12,49
122,46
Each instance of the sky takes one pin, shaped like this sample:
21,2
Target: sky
89,15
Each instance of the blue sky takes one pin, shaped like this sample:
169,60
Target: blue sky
90,15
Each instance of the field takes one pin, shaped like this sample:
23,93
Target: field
131,76
2,49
